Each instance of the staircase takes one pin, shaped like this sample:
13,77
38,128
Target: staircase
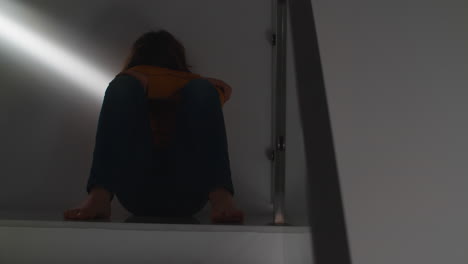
45,238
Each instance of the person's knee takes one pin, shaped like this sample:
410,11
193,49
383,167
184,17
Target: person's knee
199,90
124,87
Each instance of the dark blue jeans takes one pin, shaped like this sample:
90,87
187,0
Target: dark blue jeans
150,181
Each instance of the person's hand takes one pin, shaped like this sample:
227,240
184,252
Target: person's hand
223,86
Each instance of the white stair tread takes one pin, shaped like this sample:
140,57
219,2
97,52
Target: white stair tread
55,220
47,239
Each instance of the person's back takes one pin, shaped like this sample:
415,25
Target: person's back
161,144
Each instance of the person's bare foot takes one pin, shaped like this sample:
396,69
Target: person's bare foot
223,208
95,206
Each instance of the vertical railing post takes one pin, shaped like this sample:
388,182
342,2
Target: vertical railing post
279,111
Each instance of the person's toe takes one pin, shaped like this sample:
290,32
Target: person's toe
77,214
84,214
70,214
228,216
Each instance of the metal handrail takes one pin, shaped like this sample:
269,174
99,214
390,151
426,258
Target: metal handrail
279,111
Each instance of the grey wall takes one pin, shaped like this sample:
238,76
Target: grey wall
396,81
49,122
296,188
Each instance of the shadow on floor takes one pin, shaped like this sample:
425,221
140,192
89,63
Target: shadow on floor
162,220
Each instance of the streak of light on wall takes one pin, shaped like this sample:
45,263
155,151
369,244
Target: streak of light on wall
58,58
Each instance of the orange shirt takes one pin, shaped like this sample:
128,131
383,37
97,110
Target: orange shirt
161,86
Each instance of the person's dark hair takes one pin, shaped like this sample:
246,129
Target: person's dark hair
157,48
